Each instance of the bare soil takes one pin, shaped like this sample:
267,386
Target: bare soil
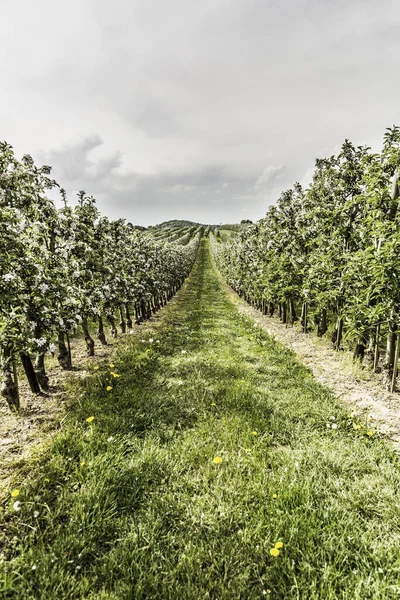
40,415
362,390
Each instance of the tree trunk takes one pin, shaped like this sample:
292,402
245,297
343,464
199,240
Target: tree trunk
88,338
304,317
359,350
137,314
111,320
30,372
64,359
9,387
284,313
41,371
337,334
322,326
101,336
122,323
389,356
293,315
128,316
271,309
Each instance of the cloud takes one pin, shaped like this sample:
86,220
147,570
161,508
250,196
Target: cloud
268,177
148,105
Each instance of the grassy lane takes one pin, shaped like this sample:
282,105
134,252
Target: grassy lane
213,447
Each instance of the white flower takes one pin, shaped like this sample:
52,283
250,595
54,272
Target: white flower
332,418
151,340
33,567
110,438
17,506
52,348
334,426
183,351
328,425
36,514
43,287
8,276
40,342
180,382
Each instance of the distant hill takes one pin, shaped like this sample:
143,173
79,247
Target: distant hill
176,223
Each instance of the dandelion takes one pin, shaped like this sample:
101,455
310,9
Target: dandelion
17,506
254,433
115,374
109,388
112,365
217,460
279,545
89,419
370,433
274,496
82,463
213,404
96,368
14,493
274,552
356,426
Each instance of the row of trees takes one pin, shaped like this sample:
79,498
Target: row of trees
330,254
63,269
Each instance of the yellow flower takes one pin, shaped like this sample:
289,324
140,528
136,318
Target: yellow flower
112,365
14,493
279,545
217,460
274,496
356,426
254,433
96,368
213,404
90,419
109,388
82,463
370,433
274,552
115,374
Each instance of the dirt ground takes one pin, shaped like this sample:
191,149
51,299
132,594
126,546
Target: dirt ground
361,390
40,416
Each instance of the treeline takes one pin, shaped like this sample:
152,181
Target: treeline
63,269
329,255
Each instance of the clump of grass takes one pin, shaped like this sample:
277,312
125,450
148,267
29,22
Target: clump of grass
223,471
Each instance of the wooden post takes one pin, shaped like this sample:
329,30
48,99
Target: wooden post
396,360
376,353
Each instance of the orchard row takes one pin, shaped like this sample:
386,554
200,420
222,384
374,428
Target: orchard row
63,269
329,255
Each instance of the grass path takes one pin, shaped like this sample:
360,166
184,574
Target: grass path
133,504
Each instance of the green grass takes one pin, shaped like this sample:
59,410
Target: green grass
149,514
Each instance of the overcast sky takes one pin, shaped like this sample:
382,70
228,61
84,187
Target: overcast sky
194,109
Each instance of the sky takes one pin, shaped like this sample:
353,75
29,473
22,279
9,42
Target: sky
201,110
